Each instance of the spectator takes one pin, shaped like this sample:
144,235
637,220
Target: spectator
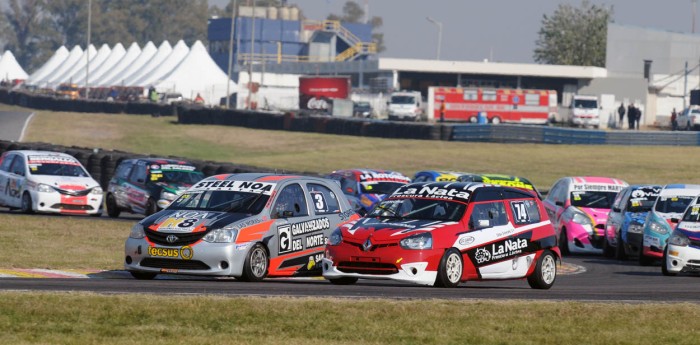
199,99
631,116
674,123
621,113
153,94
637,117
442,111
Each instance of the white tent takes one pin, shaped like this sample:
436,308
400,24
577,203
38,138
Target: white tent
196,74
97,71
68,72
72,58
163,51
10,68
78,77
129,64
179,52
54,62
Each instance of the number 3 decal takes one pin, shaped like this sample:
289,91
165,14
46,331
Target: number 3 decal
319,201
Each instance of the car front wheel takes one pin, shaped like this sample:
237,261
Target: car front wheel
664,267
343,281
450,270
143,275
111,205
545,272
27,204
255,265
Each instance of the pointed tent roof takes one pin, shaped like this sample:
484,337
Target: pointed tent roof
119,78
196,74
79,63
10,68
179,52
96,60
97,71
72,58
131,54
54,62
163,51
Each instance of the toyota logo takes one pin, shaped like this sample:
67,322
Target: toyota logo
171,238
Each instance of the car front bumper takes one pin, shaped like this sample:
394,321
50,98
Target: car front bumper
66,204
585,239
682,259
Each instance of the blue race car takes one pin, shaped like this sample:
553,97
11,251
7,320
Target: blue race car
623,234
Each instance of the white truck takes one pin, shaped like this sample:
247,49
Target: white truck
405,105
584,111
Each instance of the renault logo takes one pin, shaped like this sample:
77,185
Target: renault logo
367,245
171,238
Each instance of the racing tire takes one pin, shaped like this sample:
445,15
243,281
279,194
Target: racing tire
343,281
645,260
608,250
496,120
664,268
620,249
143,275
545,272
151,207
256,264
563,242
450,271
26,206
113,210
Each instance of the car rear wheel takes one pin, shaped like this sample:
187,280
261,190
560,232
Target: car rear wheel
343,281
664,268
563,242
143,275
111,205
608,250
450,270
26,203
545,272
151,207
620,249
255,265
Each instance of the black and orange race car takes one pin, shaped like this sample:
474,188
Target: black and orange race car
249,226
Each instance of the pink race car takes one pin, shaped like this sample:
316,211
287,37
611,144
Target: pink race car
578,208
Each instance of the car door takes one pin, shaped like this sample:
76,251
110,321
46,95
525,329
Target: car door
136,194
5,163
489,223
293,225
118,187
17,181
616,215
555,202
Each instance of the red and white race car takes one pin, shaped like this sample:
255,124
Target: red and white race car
444,233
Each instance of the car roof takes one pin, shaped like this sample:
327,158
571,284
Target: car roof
45,153
379,174
596,180
680,189
152,160
265,177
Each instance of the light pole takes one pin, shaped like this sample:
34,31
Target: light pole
87,65
439,25
230,55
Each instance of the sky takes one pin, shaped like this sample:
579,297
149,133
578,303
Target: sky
497,30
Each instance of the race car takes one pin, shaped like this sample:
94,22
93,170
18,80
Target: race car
49,182
663,217
444,233
147,185
249,226
682,252
365,187
436,176
503,180
578,208
623,235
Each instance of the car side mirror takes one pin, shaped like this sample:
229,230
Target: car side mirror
617,209
559,203
674,220
139,180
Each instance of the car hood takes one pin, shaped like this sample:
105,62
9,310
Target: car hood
599,215
668,216
637,217
390,229
65,182
180,221
691,229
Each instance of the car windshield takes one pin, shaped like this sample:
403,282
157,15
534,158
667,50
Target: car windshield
672,204
222,201
380,187
57,169
692,214
410,208
586,103
176,176
592,199
642,200
402,100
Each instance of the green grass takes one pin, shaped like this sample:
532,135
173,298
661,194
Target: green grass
69,318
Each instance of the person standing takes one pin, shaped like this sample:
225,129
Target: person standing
637,117
621,113
442,111
674,123
630,116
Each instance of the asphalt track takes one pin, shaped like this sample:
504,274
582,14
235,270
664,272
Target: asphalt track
13,124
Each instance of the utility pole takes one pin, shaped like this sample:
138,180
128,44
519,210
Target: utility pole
87,65
250,58
230,55
439,25
685,84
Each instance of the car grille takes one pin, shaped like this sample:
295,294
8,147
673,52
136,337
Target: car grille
374,246
695,242
367,267
194,265
183,239
73,192
71,207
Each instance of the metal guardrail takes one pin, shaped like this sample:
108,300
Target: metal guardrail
569,136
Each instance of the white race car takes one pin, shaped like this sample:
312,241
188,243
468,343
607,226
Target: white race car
51,182
682,252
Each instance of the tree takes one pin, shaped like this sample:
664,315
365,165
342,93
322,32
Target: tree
24,31
574,35
353,13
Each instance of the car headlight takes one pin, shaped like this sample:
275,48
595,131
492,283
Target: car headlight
96,190
168,196
576,216
679,239
420,241
44,188
336,237
137,231
658,228
635,229
225,235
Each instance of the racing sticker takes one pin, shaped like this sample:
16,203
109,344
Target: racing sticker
598,187
520,211
501,250
372,176
287,244
38,160
186,252
290,235
236,186
319,201
432,192
516,183
183,221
